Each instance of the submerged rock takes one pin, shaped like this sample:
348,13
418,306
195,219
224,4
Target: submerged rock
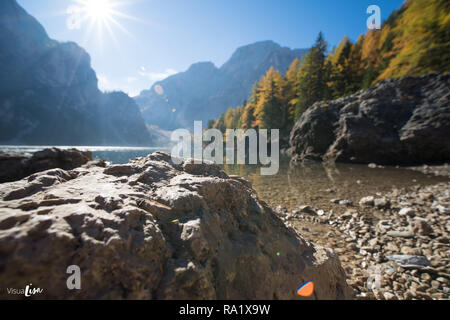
367,202
381,203
152,229
398,121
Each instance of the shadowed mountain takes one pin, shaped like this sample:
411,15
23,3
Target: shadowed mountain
49,93
204,91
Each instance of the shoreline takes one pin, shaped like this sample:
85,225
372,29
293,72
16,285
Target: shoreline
437,170
413,221
408,221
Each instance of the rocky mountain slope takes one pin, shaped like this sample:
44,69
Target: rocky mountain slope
49,92
204,91
400,121
152,229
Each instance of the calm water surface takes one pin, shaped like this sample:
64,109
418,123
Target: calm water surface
315,183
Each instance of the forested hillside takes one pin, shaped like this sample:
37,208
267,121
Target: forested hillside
414,41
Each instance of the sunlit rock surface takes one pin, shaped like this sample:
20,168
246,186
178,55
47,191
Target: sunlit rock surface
398,121
151,229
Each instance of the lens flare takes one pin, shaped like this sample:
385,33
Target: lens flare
159,90
306,289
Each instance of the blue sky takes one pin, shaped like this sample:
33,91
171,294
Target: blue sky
159,37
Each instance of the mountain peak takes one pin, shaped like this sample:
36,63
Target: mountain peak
256,51
202,67
203,92
258,57
266,44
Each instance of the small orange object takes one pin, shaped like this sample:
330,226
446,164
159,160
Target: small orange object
306,290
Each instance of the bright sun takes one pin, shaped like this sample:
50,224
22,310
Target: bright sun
99,9
99,14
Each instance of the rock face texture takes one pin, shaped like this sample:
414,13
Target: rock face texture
49,92
15,166
400,121
152,229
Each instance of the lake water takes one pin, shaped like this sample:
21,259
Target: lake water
315,183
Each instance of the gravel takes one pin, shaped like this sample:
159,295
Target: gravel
398,248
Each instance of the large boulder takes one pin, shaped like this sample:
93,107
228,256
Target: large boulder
152,229
399,121
15,165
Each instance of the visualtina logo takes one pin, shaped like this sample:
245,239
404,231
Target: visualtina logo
28,291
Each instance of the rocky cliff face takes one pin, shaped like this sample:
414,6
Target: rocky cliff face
152,229
400,121
49,92
204,91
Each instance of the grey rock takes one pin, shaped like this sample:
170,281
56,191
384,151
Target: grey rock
367,201
398,121
443,209
435,284
155,232
389,296
410,212
410,261
442,280
308,210
15,166
400,234
381,203
349,214
345,202
281,211
421,227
